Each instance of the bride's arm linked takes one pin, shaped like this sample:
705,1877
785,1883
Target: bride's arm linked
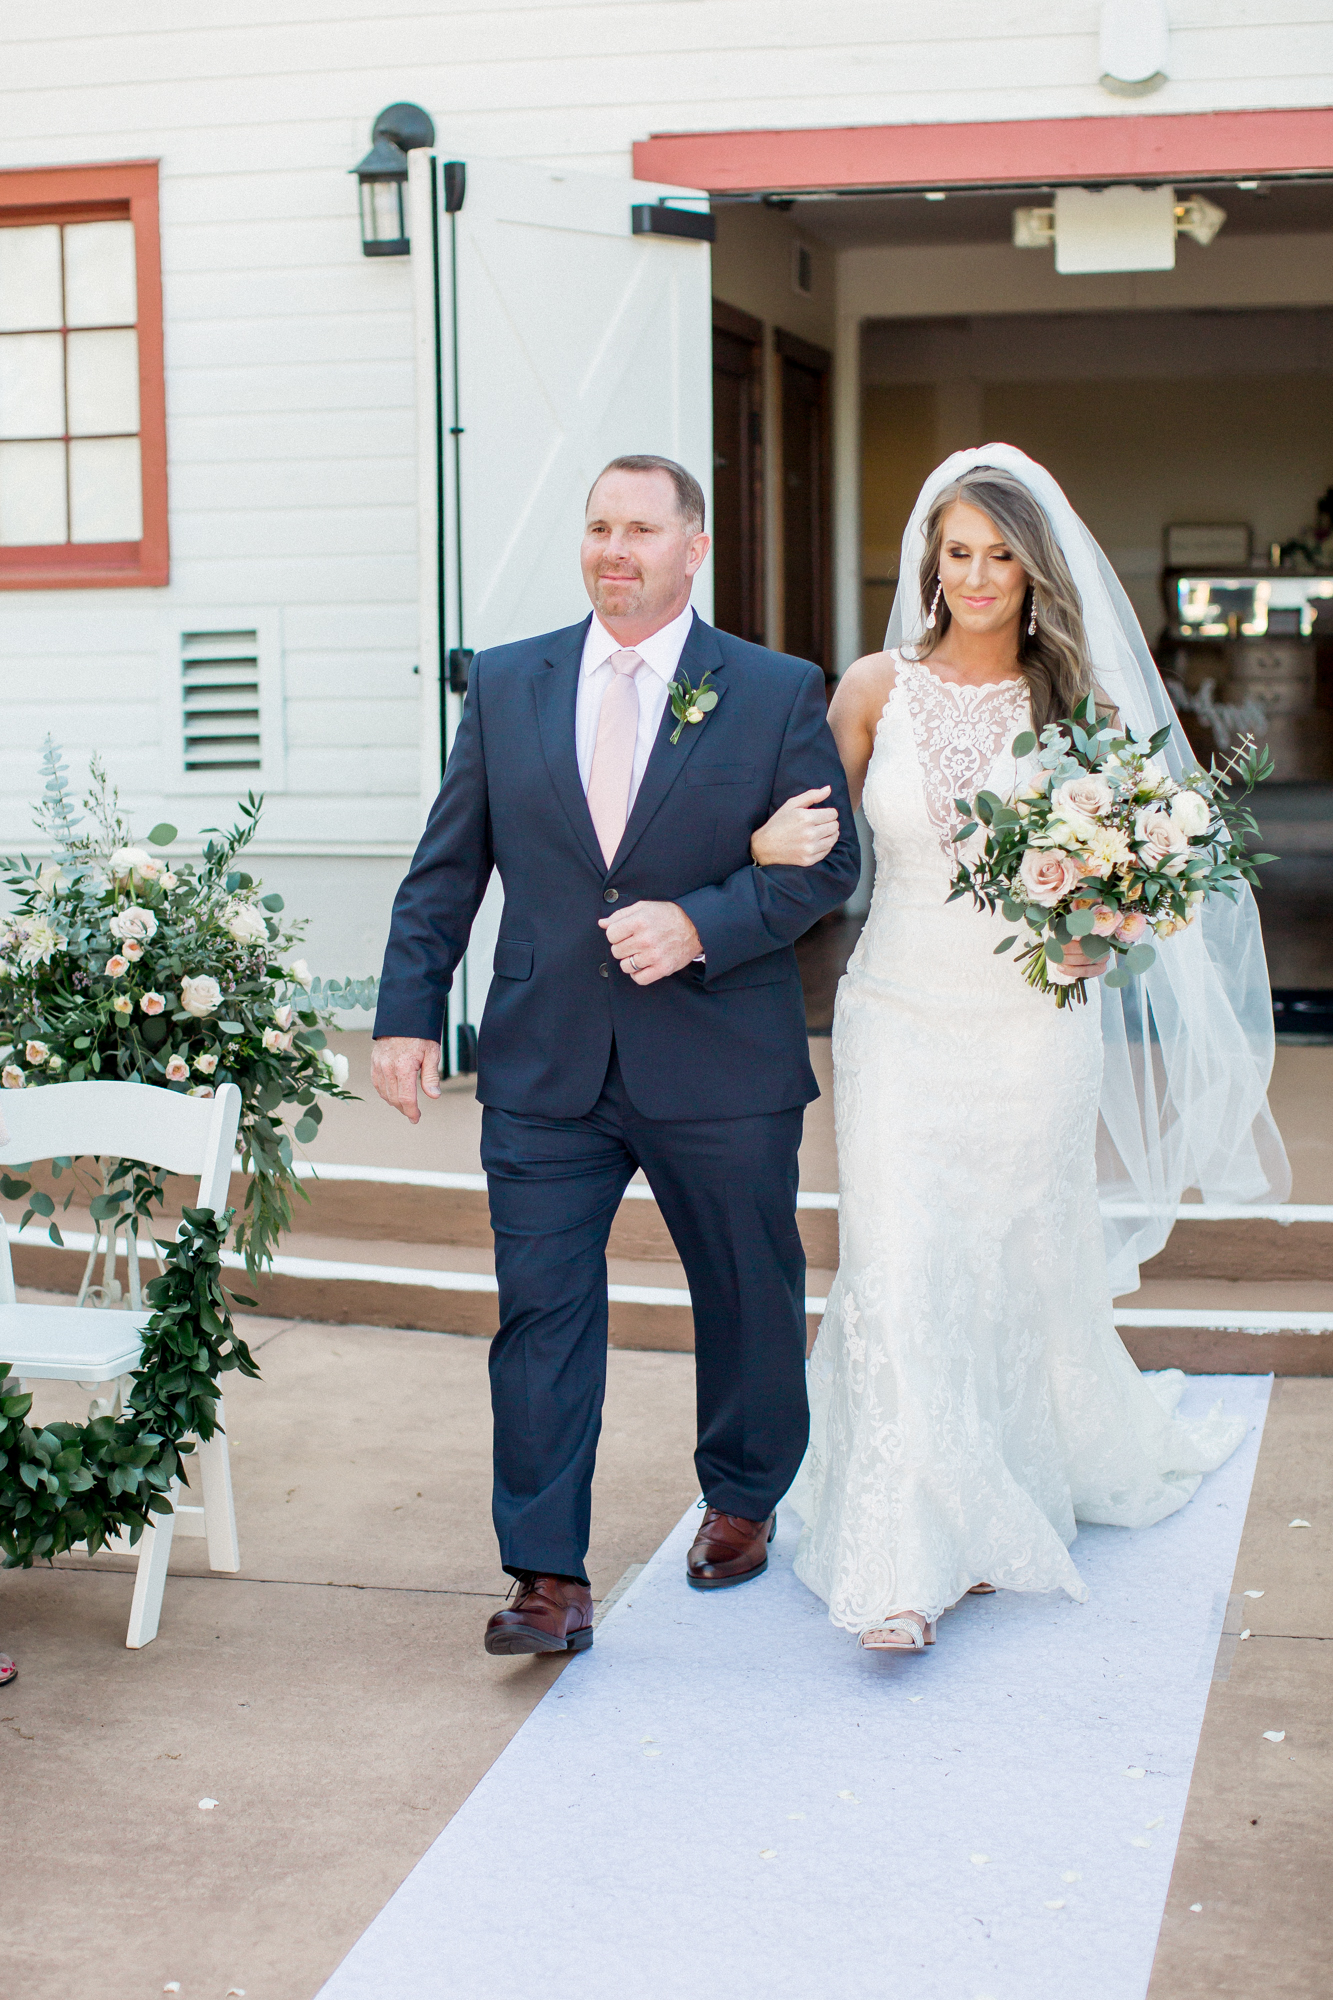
802,831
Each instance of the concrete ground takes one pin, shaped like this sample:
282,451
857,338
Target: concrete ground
335,1701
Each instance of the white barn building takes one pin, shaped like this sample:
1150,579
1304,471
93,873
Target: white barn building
242,487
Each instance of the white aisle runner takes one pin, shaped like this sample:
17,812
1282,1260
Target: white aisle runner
727,1797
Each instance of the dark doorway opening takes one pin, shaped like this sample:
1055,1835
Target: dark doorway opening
737,524
807,540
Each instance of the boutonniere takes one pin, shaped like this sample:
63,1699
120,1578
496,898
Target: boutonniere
690,704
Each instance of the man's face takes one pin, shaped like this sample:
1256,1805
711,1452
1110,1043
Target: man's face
639,557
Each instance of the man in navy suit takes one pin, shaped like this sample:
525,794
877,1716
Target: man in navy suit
645,1011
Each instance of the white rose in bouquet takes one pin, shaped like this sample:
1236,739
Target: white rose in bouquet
338,1067
245,923
126,861
1158,834
275,1041
1082,800
1047,875
200,996
206,1064
178,1070
300,974
1191,812
134,923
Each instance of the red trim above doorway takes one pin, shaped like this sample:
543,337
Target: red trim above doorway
1203,145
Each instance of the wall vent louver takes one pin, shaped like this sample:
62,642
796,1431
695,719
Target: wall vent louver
220,700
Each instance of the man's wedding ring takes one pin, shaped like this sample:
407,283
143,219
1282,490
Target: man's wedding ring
634,963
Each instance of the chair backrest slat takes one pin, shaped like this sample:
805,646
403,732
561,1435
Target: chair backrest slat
128,1121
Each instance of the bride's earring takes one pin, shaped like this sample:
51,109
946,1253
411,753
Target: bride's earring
1032,621
930,622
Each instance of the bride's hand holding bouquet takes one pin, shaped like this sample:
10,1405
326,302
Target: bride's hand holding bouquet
1102,850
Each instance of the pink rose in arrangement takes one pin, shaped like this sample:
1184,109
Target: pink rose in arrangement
133,951
122,1004
116,966
178,1070
275,1041
1046,876
1081,798
1131,927
283,1016
200,995
201,1090
13,1078
1104,918
206,1064
134,923
153,1003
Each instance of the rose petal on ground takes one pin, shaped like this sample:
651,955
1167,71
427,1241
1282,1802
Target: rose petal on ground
1275,1736
768,1854
1153,1825
1298,1524
647,1739
1196,1907
795,1815
916,1697
1058,1904
207,1805
1135,1771
850,1797
172,1986
1250,1593
1071,1875
1140,1840
1246,1633
652,1753
978,1860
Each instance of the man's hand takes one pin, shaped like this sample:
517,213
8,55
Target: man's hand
651,940
395,1064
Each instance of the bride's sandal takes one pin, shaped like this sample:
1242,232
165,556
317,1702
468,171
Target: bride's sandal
981,1590
908,1633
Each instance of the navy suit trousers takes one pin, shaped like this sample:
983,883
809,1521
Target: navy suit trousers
726,1189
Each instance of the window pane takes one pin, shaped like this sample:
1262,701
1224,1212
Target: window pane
32,385
99,274
29,277
32,494
103,383
105,499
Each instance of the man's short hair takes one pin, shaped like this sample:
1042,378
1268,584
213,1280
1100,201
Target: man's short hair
689,493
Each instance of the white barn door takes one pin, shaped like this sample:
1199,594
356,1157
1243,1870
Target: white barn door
550,339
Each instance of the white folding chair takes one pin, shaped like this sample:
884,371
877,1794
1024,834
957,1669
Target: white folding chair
163,1128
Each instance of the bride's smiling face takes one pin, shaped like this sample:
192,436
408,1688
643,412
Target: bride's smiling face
984,582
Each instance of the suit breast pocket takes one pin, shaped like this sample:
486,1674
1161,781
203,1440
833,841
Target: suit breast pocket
718,774
512,960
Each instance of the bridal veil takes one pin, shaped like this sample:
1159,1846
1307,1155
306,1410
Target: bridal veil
1189,1044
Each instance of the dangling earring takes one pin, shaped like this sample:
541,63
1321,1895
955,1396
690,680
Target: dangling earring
930,622
1032,621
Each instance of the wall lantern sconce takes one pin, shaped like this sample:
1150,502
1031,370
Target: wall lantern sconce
382,178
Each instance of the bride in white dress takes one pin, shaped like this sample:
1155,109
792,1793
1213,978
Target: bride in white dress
970,1398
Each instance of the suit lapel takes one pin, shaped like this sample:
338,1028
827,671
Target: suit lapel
555,690
701,654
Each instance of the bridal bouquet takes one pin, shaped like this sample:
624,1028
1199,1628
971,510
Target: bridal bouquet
118,962
1104,847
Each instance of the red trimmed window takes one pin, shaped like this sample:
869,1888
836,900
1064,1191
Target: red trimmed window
83,446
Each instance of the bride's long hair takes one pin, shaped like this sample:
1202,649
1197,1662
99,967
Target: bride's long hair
1055,658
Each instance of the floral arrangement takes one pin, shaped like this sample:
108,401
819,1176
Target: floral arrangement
1104,847
70,1483
118,962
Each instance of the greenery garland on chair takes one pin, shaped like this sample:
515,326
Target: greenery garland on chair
71,1483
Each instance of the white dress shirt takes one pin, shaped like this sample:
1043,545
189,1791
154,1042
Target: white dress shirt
660,656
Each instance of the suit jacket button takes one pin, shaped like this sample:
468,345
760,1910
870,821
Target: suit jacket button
602,969
610,895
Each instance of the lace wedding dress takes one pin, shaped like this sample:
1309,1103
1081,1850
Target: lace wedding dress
970,1398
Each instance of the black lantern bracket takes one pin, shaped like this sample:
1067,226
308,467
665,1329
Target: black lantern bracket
382,178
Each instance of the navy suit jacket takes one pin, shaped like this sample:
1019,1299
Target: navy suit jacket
725,1039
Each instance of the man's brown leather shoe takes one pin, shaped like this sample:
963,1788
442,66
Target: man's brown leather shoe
728,1549
549,1614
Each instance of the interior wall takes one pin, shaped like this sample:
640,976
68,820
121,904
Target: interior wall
1144,419
752,269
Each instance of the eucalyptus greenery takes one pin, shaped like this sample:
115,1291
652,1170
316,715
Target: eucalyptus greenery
118,962
71,1483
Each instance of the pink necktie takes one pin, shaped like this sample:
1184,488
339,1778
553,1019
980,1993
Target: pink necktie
613,754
